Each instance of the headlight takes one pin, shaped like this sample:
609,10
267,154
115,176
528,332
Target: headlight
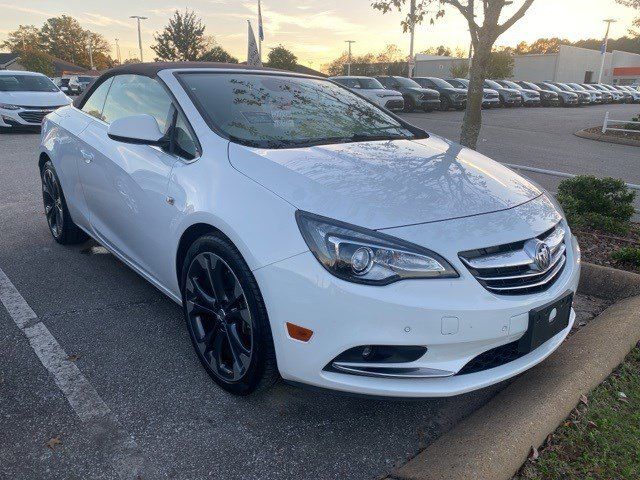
365,256
8,106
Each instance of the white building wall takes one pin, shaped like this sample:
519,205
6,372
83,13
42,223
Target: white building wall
434,66
534,68
575,62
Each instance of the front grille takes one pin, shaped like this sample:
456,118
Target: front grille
40,107
490,96
511,269
430,96
33,116
492,358
391,104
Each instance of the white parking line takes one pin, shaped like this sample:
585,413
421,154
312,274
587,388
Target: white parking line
80,394
102,425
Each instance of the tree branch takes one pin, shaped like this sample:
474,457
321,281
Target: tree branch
516,16
464,11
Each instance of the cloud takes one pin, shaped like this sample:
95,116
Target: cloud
32,11
324,20
103,21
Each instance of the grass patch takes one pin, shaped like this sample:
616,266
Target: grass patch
628,255
600,440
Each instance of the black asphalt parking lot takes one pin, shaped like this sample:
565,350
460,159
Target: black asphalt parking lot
159,414
543,138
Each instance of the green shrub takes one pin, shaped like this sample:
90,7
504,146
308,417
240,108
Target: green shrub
628,255
633,126
602,203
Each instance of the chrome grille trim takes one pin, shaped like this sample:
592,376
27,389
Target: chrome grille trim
508,269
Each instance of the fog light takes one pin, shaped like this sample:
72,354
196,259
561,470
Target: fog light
366,352
362,260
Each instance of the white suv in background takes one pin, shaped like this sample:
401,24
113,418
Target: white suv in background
374,91
26,97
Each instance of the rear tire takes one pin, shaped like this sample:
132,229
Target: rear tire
226,317
61,226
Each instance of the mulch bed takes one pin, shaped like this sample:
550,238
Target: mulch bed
597,247
614,134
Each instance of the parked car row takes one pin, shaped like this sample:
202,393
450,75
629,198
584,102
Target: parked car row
432,93
73,84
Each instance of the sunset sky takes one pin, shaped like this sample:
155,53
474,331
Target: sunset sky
315,30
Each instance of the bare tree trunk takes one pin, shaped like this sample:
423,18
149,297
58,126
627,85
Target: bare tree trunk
473,114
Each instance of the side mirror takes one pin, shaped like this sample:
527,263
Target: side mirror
137,129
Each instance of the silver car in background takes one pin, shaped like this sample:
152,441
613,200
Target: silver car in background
373,90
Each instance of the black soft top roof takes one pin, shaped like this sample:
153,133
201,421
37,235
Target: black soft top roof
151,69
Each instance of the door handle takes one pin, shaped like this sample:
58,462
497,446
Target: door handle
88,156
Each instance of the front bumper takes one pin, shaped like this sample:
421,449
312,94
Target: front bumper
432,103
491,102
550,101
513,101
344,315
24,117
394,104
531,102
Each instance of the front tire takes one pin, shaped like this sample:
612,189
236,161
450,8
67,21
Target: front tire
409,104
226,317
445,104
61,226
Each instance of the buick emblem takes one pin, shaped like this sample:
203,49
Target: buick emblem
540,253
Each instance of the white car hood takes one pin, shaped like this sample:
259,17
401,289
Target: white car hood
384,184
35,99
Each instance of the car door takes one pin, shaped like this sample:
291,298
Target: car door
125,185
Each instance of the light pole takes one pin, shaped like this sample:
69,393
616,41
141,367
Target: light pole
138,17
349,62
118,51
412,14
90,52
608,21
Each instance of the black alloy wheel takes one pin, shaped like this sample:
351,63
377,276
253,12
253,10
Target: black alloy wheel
226,317
52,198
61,225
445,104
409,104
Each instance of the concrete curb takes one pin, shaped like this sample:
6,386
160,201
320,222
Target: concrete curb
601,137
495,441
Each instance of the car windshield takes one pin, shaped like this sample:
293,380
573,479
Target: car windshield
406,82
456,83
85,79
492,84
532,86
510,84
551,86
273,111
369,83
575,86
26,83
440,82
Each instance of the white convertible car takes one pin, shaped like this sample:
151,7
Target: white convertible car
309,234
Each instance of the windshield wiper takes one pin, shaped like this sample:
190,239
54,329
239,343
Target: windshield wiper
359,137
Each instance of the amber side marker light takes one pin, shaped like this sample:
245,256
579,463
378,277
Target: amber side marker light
298,332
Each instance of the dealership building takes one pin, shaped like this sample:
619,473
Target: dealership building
570,64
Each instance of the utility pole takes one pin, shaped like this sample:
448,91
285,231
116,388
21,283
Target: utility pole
349,63
118,51
603,49
90,52
412,19
138,17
